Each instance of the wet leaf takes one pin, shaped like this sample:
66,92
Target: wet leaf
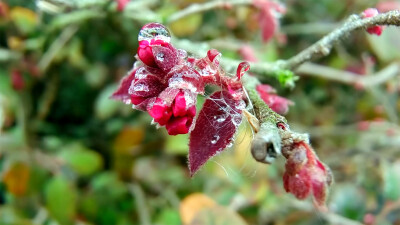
214,130
16,178
59,192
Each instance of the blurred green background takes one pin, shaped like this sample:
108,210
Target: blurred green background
70,155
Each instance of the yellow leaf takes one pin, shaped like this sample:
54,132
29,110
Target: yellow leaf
16,178
128,139
192,205
15,42
186,26
25,19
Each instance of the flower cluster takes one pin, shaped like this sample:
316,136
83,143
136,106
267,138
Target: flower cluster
304,173
371,12
165,82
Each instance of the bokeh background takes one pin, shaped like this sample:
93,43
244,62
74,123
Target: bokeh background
70,155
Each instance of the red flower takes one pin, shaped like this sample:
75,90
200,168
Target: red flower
371,12
176,115
305,174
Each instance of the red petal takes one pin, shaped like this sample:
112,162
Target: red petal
267,21
122,93
179,125
146,55
165,57
215,126
160,112
179,107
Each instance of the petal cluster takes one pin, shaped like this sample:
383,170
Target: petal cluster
165,82
305,174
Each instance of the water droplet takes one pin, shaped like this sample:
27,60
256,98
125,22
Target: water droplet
141,73
229,145
138,87
154,31
215,139
160,56
236,119
182,53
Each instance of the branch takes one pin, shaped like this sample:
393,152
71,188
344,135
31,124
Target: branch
197,8
348,77
354,22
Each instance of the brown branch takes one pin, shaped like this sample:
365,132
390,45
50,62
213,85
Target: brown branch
324,46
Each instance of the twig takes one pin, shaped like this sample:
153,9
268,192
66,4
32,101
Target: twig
56,46
142,210
382,76
354,22
196,8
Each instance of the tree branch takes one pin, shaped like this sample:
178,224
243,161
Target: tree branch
354,22
197,8
346,77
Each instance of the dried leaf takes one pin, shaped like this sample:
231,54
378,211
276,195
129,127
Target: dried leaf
16,178
192,205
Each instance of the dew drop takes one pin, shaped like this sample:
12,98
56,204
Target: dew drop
236,119
215,139
182,53
154,31
141,73
160,56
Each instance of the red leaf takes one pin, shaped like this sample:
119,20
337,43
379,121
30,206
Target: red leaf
122,93
214,130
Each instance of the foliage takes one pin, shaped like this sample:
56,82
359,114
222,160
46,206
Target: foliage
69,154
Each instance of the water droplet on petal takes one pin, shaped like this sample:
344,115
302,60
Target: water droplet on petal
141,73
160,56
236,119
154,31
215,139
182,53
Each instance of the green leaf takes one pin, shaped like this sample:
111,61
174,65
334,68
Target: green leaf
82,160
61,200
391,179
104,106
286,78
178,144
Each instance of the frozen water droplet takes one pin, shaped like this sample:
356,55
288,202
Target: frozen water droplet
154,31
215,139
182,53
138,87
141,73
236,119
229,145
160,56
